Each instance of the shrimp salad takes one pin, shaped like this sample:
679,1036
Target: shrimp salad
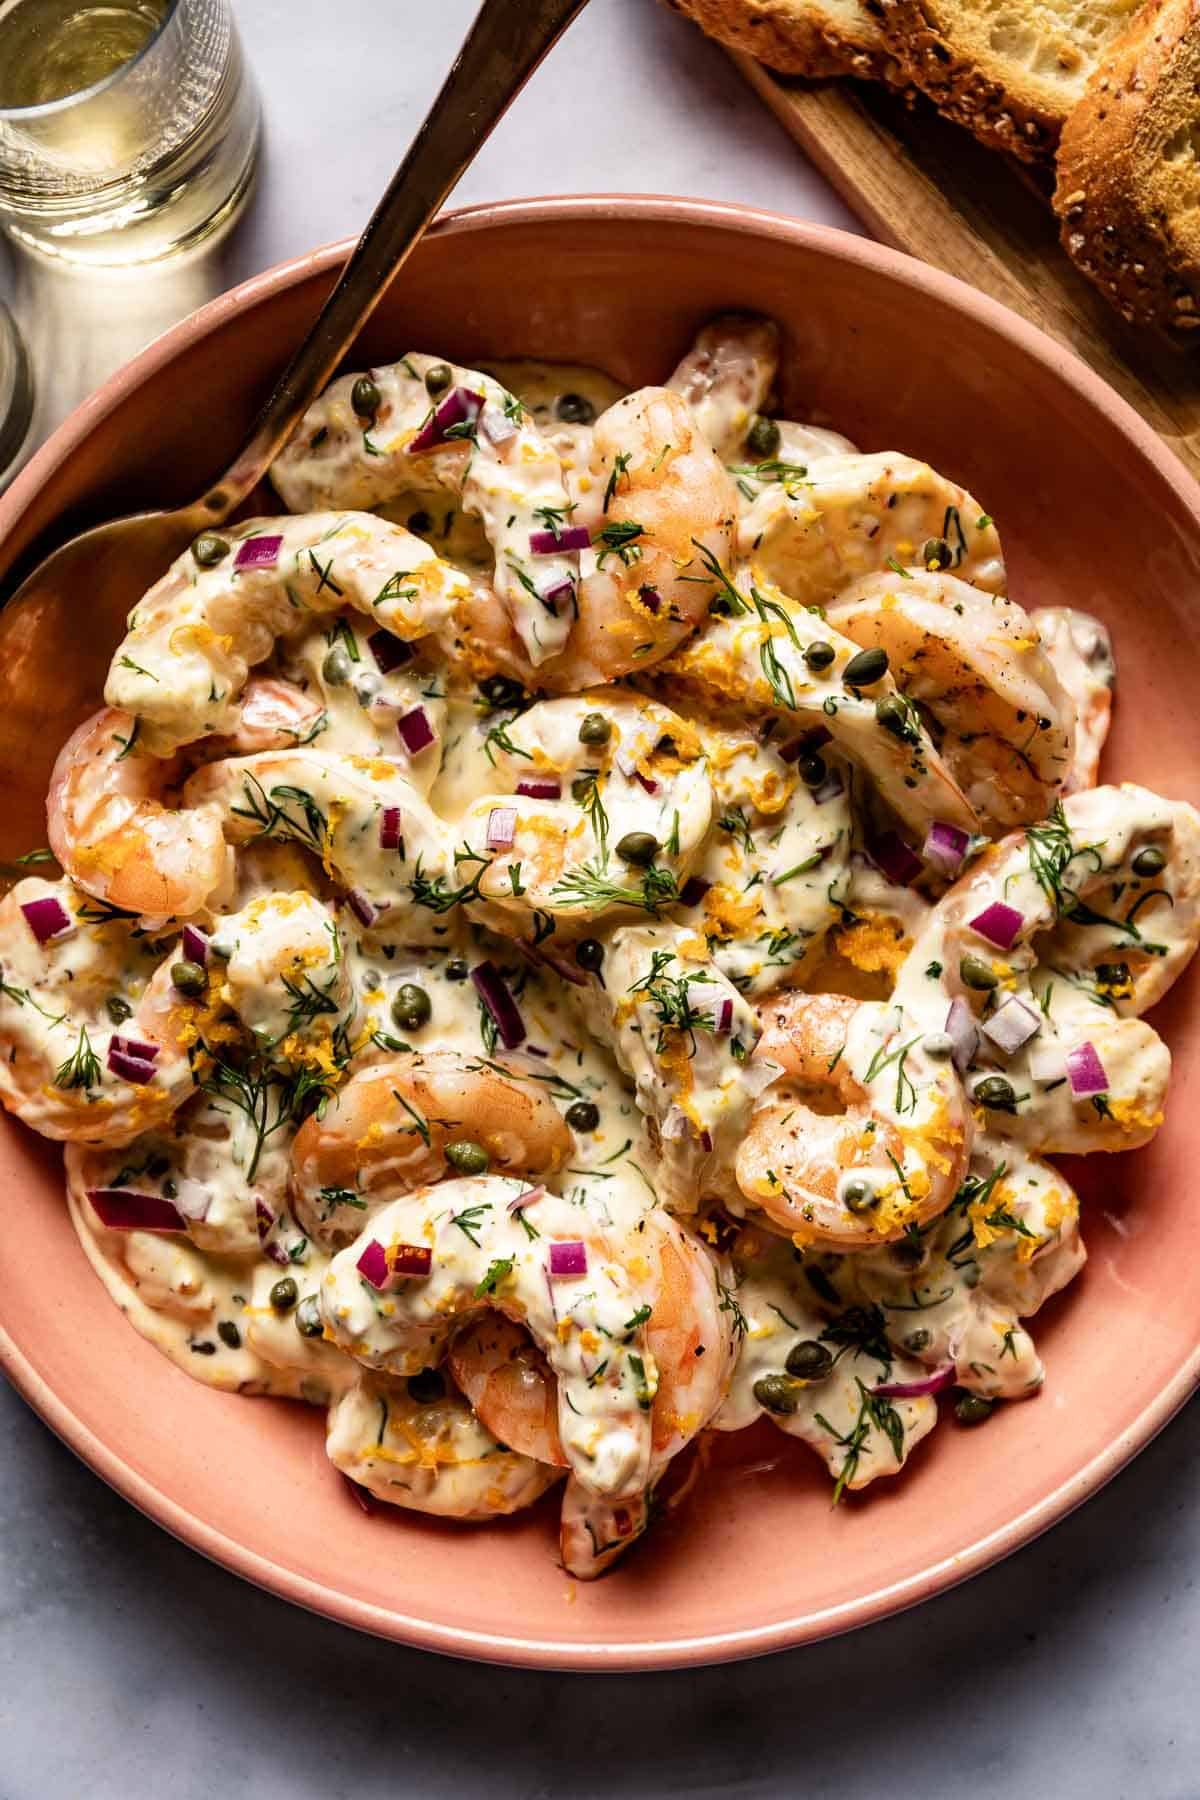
587,929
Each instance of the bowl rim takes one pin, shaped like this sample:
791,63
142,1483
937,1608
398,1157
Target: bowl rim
548,1652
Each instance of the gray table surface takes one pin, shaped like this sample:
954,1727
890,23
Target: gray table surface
131,1667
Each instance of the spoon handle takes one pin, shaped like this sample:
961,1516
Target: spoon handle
504,46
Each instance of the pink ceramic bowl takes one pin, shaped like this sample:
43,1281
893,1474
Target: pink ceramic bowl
1093,511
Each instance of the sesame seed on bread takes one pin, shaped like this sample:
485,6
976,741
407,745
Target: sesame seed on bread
1128,193
1009,70
814,38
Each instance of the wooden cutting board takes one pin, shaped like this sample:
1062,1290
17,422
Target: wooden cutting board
926,187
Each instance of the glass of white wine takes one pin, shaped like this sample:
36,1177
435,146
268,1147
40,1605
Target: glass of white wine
16,392
128,128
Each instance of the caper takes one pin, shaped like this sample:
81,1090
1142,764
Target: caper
428,1386
365,397
337,667
938,1044
894,716
865,669
438,377
918,1340
209,549
583,1115
582,789
809,1359
117,1009
763,438
589,954
1112,974
229,1334
639,848
284,1294
818,656
595,729
157,1165
501,690
171,1189
936,553
457,969
812,770
973,1409
188,977
574,409
996,1093
411,1007
309,1322
720,606
1150,861
421,522
366,685
975,973
859,1196
778,1393
467,1158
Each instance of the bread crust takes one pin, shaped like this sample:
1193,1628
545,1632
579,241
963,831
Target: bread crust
1127,173
945,50
797,37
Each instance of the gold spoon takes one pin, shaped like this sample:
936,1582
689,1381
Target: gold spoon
111,566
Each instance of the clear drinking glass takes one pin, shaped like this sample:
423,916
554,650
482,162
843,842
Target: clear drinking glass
16,391
128,129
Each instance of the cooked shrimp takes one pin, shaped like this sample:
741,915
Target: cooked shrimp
816,1377
274,715
286,977
1105,894
70,1003
866,1136
1007,726
879,920
849,517
192,640
684,1034
477,1252
112,831
1081,654
431,1455
689,1334
360,816
727,376
770,657
387,1130
1029,1095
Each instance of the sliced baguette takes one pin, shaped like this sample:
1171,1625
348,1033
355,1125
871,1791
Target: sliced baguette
814,38
1009,70
1128,193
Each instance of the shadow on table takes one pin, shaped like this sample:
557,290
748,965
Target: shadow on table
1011,1684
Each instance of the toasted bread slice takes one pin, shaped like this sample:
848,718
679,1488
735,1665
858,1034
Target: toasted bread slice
1128,190
815,38
1009,70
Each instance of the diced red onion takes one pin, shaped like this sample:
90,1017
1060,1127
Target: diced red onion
723,1016
389,651
1085,1071
705,1140
569,1258
496,425
651,599
275,1252
562,965
193,1199
135,1047
557,587
963,1033
571,537
1011,1025
460,407
501,827
122,1209
258,552
408,1260
490,985
932,1383
693,890
195,944
527,1198
361,907
372,1265
416,733
894,858
651,787
535,788
998,924
129,1068
830,788
391,821
945,846
48,919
